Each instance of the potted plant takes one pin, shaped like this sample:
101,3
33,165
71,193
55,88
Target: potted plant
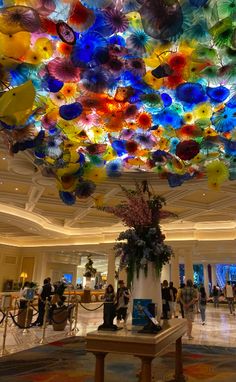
90,271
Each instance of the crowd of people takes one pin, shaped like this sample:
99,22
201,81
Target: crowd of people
193,299
53,293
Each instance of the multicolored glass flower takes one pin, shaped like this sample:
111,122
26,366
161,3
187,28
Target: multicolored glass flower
98,87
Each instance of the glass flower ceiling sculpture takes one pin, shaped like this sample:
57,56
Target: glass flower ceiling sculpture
93,87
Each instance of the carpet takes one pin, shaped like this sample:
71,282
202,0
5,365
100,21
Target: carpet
67,361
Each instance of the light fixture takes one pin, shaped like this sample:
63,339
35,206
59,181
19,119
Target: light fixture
23,275
16,189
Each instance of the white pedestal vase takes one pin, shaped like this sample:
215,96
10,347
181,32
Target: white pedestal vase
147,287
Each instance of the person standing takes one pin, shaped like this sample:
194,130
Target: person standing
173,295
44,294
166,299
229,295
215,294
182,285
188,297
122,300
202,304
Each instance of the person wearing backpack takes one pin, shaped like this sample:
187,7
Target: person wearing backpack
44,294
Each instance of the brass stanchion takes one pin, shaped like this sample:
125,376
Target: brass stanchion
26,318
70,333
75,330
14,311
43,340
4,351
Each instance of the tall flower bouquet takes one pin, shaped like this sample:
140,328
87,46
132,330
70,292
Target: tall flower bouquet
143,242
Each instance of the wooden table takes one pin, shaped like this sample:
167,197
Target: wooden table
144,346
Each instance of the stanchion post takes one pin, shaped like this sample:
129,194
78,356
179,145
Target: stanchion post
26,318
4,351
43,341
75,330
70,333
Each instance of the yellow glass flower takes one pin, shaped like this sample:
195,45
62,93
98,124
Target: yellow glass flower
152,81
198,158
203,110
189,118
109,154
178,166
14,45
135,162
217,172
163,144
209,132
96,174
99,200
97,133
159,131
214,185
134,20
33,57
44,47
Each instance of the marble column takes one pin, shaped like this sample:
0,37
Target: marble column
206,278
165,273
188,265
123,275
213,275
174,270
111,269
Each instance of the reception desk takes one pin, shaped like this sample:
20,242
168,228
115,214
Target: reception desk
144,346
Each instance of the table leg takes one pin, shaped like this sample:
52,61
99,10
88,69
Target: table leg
146,369
99,368
179,376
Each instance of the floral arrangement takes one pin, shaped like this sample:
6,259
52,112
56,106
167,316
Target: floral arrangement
90,271
143,242
95,87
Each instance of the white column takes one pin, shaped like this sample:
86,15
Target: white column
174,271
206,278
188,265
40,268
213,274
123,275
165,273
111,269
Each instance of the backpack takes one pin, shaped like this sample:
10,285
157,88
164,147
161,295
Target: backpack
46,292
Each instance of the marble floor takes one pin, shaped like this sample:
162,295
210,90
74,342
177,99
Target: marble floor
219,330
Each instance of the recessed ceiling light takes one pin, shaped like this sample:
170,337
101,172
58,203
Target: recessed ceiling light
16,189
3,158
1,182
203,194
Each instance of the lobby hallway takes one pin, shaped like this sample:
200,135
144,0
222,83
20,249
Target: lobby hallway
219,330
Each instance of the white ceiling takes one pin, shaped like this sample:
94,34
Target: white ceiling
32,214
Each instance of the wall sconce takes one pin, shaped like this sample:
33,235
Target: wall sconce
23,275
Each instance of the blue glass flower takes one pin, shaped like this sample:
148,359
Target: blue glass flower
198,3
224,120
166,98
85,48
169,118
190,92
114,168
67,197
71,111
232,102
175,180
54,85
218,94
119,146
